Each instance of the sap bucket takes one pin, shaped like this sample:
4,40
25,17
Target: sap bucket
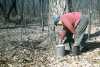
60,50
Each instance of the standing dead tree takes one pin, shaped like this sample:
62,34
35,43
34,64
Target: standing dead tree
13,6
1,6
70,7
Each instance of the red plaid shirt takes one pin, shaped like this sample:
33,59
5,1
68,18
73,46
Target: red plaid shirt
70,21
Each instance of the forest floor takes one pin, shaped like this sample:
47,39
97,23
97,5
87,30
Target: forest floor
30,47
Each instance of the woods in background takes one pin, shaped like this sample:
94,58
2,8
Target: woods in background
36,11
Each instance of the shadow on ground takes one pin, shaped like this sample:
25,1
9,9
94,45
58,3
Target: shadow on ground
93,45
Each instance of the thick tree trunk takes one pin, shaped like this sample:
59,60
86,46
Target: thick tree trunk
56,8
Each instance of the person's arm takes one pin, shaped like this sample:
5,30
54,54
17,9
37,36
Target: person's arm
70,27
62,35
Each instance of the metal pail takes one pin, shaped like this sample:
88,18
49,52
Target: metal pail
60,50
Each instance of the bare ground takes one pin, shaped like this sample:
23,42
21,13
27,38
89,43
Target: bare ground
30,47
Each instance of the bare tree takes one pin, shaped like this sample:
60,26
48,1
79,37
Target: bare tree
70,7
13,6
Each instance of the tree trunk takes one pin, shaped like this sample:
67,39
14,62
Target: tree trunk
56,8
70,7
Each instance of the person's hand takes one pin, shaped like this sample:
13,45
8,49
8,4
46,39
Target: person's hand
62,34
61,41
